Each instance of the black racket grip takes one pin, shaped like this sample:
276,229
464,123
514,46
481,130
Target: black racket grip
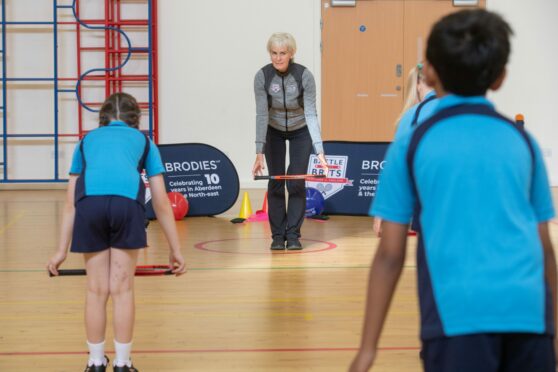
69,272
261,177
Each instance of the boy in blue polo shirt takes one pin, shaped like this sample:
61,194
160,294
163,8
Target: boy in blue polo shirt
485,263
104,219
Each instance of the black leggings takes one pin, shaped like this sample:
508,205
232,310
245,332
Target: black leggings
285,223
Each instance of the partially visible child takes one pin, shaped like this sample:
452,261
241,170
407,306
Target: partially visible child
104,219
419,104
485,263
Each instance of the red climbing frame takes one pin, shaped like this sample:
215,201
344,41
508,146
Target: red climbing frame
113,53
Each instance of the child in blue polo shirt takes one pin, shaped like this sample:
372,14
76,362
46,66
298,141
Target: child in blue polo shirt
419,103
485,263
104,219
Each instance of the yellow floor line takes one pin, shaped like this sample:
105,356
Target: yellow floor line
13,221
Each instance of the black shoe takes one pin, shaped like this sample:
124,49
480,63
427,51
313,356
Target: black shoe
124,369
294,245
94,368
278,244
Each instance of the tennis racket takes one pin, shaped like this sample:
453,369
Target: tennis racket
144,270
324,189
290,177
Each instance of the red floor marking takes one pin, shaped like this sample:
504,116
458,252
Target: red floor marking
186,351
265,250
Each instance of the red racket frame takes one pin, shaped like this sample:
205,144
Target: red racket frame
290,177
141,270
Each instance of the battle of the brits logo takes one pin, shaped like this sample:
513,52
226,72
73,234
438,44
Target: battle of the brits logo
275,88
335,180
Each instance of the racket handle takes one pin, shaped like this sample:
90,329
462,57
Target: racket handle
69,272
262,177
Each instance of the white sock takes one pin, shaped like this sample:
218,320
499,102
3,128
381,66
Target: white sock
122,351
96,353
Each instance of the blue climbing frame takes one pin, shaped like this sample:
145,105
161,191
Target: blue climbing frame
112,73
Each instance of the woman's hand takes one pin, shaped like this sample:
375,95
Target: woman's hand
55,261
259,165
323,162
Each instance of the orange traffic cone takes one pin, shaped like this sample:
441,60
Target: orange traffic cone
264,205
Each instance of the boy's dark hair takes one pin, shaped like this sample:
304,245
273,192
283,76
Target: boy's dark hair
469,50
120,106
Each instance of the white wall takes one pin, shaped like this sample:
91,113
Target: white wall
209,54
530,88
209,51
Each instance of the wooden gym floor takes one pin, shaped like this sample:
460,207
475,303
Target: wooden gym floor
239,308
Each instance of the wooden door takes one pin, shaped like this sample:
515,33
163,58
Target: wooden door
361,87
367,53
419,16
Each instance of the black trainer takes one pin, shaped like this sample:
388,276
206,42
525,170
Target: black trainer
294,245
125,369
278,244
94,368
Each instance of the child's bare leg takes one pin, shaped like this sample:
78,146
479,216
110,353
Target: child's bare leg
122,268
97,266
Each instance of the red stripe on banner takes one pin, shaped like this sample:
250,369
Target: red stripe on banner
319,166
330,180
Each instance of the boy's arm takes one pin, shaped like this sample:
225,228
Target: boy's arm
384,274
549,269
163,211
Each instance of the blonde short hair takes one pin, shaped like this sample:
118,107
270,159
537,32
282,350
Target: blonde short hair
282,39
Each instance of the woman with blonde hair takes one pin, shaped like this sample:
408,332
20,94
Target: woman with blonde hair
286,111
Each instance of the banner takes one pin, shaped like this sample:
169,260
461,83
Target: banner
350,185
203,174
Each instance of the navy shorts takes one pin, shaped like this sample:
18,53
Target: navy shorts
498,352
102,222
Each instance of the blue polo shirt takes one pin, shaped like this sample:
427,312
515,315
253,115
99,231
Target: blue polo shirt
112,156
405,123
480,260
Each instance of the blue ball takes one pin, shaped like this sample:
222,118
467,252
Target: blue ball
314,202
